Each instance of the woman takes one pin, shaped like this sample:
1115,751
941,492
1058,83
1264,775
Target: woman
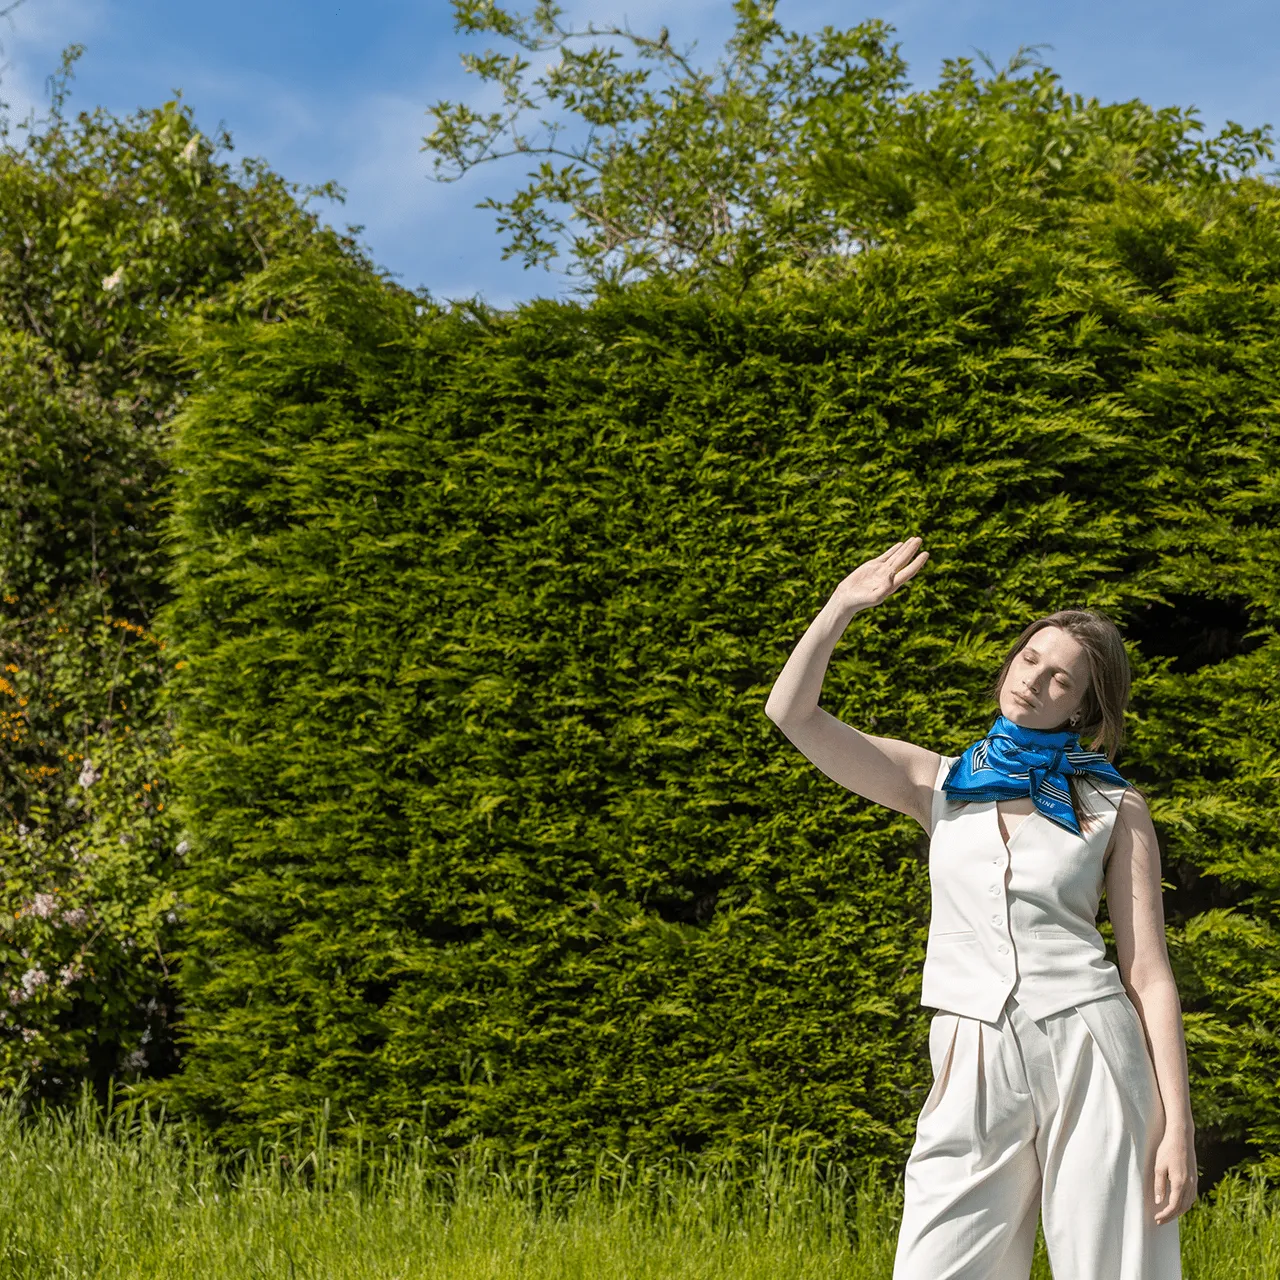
1059,1083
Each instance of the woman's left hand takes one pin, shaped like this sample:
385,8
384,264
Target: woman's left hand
1175,1175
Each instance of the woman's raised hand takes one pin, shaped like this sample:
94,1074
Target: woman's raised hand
878,579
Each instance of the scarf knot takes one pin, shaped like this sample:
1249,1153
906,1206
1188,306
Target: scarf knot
1012,761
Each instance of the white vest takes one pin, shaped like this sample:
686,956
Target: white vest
1018,918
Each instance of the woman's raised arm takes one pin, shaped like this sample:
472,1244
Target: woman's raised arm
887,771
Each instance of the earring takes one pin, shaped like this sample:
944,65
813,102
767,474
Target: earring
1075,719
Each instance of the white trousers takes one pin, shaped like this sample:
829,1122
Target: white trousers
1059,1118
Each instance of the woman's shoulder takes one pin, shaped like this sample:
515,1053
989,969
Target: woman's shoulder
1133,807
1127,808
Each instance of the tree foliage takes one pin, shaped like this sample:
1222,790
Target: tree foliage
794,150
109,230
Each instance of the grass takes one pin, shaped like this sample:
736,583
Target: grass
135,1196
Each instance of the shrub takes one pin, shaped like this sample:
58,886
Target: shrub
109,229
481,612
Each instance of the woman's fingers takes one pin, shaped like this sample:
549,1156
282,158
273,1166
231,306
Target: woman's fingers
1161,1191
882,575
915,566
1174,1209
904,552
898,554
1173,1185
909,571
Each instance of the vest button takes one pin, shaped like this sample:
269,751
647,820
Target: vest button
997,921
1002,949
995,890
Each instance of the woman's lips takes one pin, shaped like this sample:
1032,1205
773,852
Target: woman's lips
1025,702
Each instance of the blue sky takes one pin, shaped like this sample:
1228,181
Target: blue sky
327,90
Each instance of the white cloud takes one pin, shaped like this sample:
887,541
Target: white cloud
32,38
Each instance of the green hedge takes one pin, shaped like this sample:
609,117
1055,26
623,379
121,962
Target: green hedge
481,612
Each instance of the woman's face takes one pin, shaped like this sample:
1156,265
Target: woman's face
1046,681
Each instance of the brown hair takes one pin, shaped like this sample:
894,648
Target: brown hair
1102,711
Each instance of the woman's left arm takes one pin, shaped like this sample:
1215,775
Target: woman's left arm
1137,917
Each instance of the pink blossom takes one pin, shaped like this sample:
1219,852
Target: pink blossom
44,905
32,979
75,918
88,774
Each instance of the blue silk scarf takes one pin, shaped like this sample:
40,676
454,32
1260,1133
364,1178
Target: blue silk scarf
1012,761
